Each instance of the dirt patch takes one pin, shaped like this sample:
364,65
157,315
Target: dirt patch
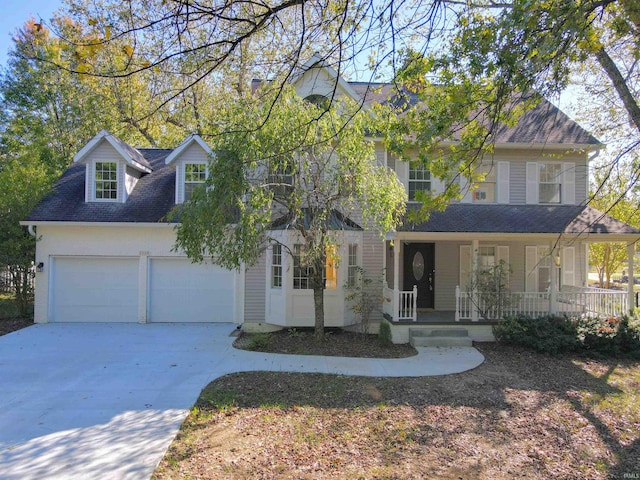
8,325
518,415
338,343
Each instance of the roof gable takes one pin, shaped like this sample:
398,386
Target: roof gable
129,154
184,146
317,77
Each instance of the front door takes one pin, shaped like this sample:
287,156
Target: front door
419,269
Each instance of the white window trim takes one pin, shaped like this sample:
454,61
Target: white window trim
357,266
559,181
183,176
272,266
567,183
410,180
94,181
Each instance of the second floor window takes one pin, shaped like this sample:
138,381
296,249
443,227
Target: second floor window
419,181
486,189
280,177
106,180
550,182
195,174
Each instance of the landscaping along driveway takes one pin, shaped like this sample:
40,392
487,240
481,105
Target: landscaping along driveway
106,400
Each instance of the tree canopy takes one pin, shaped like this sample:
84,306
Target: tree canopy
292,166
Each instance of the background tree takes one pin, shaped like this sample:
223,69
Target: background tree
290,165
615,195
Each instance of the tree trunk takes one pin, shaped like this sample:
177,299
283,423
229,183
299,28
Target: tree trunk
318,303
317,284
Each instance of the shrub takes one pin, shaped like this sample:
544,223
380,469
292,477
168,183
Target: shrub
602,336
385,333
258,341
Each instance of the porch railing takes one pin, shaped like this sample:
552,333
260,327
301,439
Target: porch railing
400,305
569,300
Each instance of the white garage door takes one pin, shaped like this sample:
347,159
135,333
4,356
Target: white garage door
181,291
94,290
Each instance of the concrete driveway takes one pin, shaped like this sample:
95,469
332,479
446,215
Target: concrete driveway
106,400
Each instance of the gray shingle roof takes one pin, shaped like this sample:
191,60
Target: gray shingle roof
543,124
567,219
152,198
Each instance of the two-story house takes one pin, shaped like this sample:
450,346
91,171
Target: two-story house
105,248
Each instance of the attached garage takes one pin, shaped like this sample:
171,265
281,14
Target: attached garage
85,289
181,291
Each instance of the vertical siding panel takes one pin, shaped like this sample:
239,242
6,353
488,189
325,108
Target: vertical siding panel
254,291
517,193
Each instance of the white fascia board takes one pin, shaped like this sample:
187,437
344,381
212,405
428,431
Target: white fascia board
105,135
98,224
184,145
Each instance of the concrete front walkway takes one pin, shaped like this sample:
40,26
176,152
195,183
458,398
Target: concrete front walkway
85,401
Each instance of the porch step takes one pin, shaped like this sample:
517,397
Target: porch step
439,337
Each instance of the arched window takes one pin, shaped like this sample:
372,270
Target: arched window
319,101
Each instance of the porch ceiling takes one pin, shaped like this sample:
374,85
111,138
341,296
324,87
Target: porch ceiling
469,221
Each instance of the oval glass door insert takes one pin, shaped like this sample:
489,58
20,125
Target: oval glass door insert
418,266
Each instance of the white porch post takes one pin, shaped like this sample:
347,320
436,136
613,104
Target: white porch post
553,281
631,250
396,277
474,269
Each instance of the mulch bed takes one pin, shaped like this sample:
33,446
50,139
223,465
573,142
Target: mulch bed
8,325
338,343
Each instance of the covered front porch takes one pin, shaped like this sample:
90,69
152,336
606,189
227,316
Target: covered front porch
426,278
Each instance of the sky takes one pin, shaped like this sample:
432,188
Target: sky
15,13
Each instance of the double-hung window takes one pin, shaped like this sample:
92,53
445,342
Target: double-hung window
280,177
550,178
302,272
419,181
486,189
353,269
276,266
106,180
195,174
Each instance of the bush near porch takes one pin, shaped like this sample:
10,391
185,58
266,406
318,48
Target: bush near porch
600,336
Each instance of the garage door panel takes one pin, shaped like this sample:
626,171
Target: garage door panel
94,290
181,291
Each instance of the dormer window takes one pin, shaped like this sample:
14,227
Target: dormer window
106,180
195,174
